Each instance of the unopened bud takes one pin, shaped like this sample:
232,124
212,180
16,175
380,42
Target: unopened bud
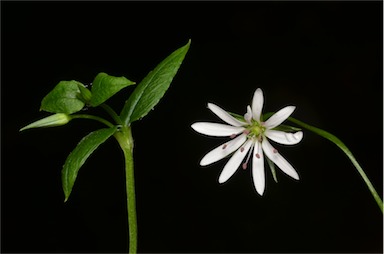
49,121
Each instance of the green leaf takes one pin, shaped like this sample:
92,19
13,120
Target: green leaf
153,87
105,86
64,98
80,154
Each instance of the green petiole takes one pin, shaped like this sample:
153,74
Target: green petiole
92,117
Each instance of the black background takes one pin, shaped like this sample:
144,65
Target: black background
323,57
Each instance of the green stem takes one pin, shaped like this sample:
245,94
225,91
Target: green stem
344,148
96,118
112,113
124,137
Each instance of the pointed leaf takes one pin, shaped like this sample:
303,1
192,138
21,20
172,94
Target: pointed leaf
64,98
80,154
105,86
152,88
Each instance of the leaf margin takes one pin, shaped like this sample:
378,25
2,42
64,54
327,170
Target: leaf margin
130,111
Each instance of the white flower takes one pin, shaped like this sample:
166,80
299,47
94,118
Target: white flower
249,137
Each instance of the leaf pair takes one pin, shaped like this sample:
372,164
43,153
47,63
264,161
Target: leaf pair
71,96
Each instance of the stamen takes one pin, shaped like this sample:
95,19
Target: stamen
224,146
242,149
258,149
246,132
233,136
274,150
246,161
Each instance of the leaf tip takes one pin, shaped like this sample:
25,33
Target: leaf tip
189,43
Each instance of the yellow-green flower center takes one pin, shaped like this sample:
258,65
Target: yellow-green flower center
256,130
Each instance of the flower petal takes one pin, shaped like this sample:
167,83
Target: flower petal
224,115
223,150
279,160
257,104
234,163
216,129
279,117
285,138
258,173
248,115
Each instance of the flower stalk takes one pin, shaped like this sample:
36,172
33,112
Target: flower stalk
112,113
92,117
125,140
345,149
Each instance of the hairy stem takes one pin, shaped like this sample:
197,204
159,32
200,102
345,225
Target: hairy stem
124,137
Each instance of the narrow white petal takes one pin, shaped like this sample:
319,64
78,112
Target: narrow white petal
279,160
279,117
248,115
216,129
234,163
223,150
224,115
285,138
258,173
257,104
